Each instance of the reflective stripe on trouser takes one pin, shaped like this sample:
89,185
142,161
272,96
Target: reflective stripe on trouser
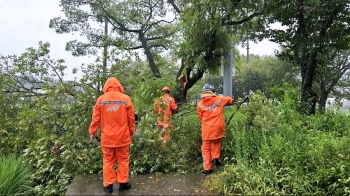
111,156
210,150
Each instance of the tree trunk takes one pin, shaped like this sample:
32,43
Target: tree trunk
308,96
181,94
198,74
149,55
323,102
331,81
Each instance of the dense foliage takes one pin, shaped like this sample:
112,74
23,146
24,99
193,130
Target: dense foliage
273,145
46,120
270,149
311,30
14,176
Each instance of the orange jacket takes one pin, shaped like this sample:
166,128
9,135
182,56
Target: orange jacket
210,111
165,107
115,112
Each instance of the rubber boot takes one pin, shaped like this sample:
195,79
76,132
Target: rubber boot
216,162
109,188
207,172
124,186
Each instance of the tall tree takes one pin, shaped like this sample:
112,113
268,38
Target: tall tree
135,24
312,28
144,25
205,36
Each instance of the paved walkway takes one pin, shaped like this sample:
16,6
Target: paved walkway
150,184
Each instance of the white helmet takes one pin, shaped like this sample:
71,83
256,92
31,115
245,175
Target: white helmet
208,87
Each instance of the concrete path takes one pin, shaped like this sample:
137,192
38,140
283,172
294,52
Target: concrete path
150,184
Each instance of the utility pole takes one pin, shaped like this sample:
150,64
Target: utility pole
105,53
228,67
105,49
247,48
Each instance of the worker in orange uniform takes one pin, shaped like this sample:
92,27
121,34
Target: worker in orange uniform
115,113
210,110
165,107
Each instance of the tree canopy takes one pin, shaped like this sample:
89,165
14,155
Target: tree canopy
312,28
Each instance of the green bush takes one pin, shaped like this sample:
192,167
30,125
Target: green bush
270,149
55,161
180,153
14,176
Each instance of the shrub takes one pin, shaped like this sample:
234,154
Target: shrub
55,161
180,153
14,176
271,149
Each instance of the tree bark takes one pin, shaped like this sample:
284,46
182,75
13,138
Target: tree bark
308,96
323,102
181,94
149,55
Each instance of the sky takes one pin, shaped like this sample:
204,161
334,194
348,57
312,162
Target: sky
23,23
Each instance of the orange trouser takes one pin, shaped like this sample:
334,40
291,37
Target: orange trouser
111,156
165,131
210,150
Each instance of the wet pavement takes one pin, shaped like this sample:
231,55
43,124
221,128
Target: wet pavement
148,184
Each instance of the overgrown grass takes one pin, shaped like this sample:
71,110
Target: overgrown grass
14,176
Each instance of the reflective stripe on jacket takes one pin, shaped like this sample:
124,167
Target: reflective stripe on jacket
115,113
210,111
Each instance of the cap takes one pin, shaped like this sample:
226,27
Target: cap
208,87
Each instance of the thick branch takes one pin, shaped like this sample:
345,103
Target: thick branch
225,23
195,77
329,22
150,46
120,26
172,3
301,19
155,23
160,37
150,13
